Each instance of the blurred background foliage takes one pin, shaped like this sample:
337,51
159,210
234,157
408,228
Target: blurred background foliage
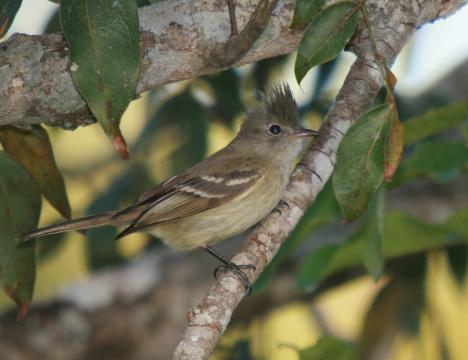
418,308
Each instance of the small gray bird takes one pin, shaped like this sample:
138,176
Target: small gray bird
224,194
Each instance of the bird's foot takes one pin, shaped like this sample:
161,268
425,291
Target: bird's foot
238,270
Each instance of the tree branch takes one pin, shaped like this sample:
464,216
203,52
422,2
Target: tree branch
176,40
394,22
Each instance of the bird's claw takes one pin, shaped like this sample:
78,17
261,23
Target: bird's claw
238,270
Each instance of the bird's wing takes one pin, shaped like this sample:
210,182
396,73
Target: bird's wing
191,195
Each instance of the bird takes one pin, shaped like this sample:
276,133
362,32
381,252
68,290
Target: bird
224,194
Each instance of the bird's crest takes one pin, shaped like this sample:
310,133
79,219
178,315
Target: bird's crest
279,101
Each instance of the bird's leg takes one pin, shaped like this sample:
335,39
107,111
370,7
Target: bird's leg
232,16
230,266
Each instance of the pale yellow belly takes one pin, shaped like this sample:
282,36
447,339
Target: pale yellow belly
221,222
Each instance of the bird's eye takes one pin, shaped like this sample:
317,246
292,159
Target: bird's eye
275,129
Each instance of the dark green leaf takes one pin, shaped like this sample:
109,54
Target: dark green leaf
50,246
8,10
373,233
103,37
20,206
329,347
33,150
326,36
457,228
305,11
359,169
226,89
439,160
435,121
458,262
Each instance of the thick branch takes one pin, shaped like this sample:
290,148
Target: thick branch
176,39
394,22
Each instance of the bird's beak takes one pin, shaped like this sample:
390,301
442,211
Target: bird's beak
305,133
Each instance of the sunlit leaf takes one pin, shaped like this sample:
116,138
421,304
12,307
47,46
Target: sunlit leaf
439,160
329,347
305,11
435,121
325,36
8,10
20,206
103,37
33,150
359,169
395,145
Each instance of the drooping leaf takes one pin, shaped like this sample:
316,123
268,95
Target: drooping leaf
329,347
395,145
103,37
34,151
435,121
373,233
403,235
439,160
457,228
396,308
359,169
8,10
305,11
20,206
325,36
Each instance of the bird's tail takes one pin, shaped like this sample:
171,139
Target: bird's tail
88,222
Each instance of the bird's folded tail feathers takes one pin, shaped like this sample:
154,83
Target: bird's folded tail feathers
88,222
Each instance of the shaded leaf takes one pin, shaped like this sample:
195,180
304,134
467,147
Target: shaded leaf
329,347
457,228
101,244
435,121
359,169
103,37
20,206
373,233
458,262
33,150
439,160
50,247
325,36
397,307
305,11
8,10
395,145
403,235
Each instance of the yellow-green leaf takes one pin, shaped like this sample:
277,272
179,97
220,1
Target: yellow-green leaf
395,145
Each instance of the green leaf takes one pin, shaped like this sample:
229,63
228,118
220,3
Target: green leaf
33,150
403,235
20,206
373,233
359,169
325,36
305,11
439,160
435,121
329,347
103,37
8,10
